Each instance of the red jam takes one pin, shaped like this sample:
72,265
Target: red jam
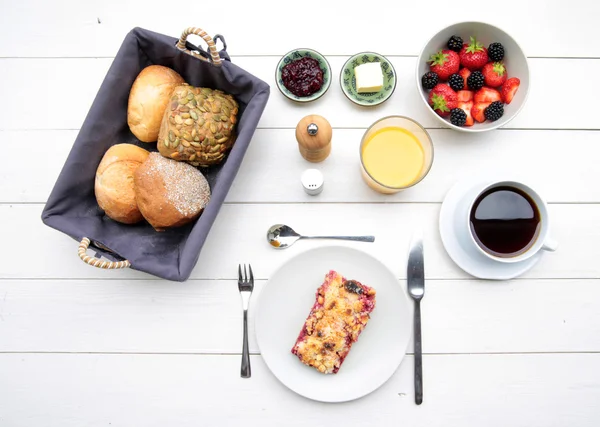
302,77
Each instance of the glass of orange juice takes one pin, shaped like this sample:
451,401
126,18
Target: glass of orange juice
395,153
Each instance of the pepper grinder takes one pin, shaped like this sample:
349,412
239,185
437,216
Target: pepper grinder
313,133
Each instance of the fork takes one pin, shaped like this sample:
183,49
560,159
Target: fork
246,286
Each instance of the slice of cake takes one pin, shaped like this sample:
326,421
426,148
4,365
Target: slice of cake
339,314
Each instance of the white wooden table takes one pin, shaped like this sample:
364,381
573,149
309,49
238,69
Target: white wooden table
84,347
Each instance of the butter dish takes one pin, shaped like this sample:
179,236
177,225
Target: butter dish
368,78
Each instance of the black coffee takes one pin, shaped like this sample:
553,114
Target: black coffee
505,221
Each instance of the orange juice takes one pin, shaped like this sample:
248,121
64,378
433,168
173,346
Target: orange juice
393,156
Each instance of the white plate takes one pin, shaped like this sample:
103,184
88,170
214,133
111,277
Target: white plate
454,209
286,300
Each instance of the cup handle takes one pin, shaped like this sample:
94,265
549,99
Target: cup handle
550,244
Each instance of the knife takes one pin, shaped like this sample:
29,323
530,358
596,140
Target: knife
415,277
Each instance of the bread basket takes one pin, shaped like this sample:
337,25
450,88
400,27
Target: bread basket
72,207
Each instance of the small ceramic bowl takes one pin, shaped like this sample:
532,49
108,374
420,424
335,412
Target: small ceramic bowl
348,80
294,55
514,60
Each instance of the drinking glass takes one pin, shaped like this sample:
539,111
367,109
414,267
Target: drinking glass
422,137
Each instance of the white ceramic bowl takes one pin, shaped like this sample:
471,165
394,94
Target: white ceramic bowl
514,59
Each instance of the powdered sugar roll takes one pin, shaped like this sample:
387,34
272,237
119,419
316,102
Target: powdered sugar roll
186,188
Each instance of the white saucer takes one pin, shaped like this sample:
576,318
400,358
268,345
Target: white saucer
459,247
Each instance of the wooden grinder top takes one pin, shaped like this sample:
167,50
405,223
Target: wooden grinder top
314,133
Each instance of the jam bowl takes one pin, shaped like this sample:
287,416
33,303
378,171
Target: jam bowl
303,75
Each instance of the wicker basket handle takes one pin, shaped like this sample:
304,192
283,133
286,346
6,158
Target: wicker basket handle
95,262
212,47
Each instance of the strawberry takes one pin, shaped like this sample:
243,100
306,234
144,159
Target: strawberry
509,88
473,55
466,107
442,99
444,63
494,74
464,95
465,73
487,95
478,111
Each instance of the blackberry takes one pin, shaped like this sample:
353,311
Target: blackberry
496,52
458,117
429,80
475,80
494,111
353,286
455,43
456,82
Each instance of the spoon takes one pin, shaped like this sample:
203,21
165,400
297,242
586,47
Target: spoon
281,236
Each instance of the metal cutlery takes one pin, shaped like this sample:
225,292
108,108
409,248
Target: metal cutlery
415,277
281,236
245,286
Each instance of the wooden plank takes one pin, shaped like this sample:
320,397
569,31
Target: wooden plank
274,153
238,236
62,390
32,181
62,94
97,29
138,316
543,158
67,109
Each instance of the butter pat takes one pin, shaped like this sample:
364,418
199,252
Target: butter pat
369,77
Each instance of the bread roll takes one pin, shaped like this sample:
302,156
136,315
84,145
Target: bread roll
198,125
170,193
148,100
114,182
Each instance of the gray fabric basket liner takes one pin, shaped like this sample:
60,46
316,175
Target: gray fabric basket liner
72,206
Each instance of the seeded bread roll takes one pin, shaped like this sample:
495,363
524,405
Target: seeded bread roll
170,193
198,125
148,100
114,182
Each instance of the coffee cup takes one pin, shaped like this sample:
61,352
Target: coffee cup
506,221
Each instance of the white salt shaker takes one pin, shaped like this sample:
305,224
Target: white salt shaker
312,181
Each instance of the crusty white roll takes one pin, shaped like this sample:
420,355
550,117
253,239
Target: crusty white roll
170,193
148,99
114,182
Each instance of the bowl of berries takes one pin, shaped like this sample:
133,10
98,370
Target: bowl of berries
473,77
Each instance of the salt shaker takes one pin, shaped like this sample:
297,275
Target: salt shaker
313,133
312,181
